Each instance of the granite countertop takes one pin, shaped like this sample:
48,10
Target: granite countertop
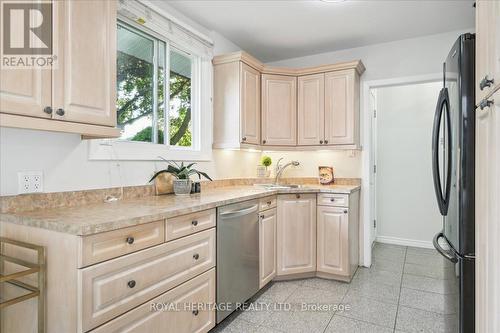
100,217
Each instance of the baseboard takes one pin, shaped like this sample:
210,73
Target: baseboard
404,242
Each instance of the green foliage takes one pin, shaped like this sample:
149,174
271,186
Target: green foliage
266,161
135,99
180,171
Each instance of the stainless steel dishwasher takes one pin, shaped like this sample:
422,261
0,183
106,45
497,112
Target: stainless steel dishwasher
237,254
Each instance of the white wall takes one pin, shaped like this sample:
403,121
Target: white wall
406,206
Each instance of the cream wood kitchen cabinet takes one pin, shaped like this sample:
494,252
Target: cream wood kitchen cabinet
267,246
296,234
236,105
78,94
279,110
84,84
311,110
337,235
342,108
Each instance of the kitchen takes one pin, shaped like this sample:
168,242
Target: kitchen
288,209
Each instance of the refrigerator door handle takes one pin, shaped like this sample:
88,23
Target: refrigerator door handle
443,105
448,254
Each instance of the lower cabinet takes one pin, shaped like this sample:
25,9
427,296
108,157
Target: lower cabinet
176,311
267,246
337,244
296,238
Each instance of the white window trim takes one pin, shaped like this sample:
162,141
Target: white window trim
202,121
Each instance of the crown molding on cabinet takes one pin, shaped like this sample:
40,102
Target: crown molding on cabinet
255,63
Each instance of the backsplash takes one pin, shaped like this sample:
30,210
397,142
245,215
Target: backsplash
35,201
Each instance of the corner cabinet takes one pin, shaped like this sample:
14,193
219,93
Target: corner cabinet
236,105
78,95
294,109
279,110
296,239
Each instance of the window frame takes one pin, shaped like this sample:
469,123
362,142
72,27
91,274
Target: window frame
201,122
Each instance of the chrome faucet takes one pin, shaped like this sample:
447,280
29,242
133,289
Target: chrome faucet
279,169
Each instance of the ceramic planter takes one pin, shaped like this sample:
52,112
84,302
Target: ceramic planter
182,186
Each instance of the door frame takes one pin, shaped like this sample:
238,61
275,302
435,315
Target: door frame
368,130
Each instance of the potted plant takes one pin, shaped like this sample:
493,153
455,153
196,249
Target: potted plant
181,173
266,161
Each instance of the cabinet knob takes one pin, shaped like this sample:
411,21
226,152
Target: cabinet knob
264,142
320,142
261,216
195,312
326,142
244,138
196,256
60,112
269,203
130,240
194,222
486,103
297,196
47,110
131,284
345,211
485,82
332,199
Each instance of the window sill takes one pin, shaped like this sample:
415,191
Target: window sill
106,150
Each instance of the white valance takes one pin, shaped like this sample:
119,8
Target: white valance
186,38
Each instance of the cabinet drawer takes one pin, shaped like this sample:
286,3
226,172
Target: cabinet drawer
184,225
116,286
111,244
267,203
331,199
200,290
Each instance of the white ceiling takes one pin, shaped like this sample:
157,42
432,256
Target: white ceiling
275,30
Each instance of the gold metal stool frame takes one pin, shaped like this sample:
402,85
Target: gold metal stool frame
31,268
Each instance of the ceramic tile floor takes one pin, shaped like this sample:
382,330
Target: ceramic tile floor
403,291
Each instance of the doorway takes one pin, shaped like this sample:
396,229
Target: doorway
403,205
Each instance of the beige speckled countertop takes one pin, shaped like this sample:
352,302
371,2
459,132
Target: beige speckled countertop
100,217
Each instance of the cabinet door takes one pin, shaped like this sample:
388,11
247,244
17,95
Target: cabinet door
267,246
250,105
341,108
333,240
25,91
84,83
296,238
279,110
311,110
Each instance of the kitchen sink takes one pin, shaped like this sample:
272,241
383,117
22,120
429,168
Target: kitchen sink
279,186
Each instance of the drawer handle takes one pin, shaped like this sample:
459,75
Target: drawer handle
269,203
332,199
298,196
131,284
195,312
196,256
261,216
326,142
194,222
345,211
130,240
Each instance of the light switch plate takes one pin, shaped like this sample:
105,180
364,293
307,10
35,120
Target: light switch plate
30,182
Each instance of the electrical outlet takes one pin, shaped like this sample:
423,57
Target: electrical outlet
30,182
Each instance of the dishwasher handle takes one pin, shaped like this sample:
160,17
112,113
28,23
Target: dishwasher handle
239,212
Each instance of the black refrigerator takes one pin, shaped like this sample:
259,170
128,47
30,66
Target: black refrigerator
453,142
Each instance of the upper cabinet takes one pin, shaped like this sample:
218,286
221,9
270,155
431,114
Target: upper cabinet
78,94
279,110
311,110
487,48
316,107
84,84
236,105
342,108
